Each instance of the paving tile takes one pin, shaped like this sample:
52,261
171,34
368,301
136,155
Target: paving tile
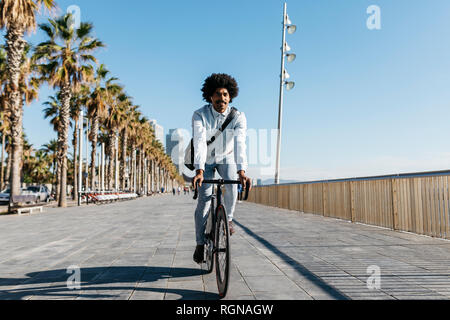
277,295
270,283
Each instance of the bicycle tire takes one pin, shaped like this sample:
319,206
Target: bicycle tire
209,245
222,254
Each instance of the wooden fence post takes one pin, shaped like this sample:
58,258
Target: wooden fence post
394,204
352,200
324,198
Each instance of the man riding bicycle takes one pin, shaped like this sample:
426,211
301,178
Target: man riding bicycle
227,153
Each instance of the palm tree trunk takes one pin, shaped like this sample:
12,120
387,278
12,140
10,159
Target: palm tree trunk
147,184
158,171
116,160
63,141
149,176
106,169
143,172
155,181
93,137
58,174
2,160
155,175
8,166
106,173
165,179
111,151
159,177
123,162
139,170
133,164
146,175
15,46
54,177
75,162
152,171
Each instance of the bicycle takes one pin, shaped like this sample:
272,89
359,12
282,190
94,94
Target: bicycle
217,235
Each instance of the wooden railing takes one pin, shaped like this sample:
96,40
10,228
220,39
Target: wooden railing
415,202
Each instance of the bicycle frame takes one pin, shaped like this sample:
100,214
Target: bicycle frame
218,197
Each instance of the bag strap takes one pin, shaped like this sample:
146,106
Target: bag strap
224,125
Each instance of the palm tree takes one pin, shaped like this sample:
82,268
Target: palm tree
102,138
53,111
127,128
97,108
27,158
28,92
114,122
66,66
133,136
79,99
40,169
17,17
50,150
147,137
36,164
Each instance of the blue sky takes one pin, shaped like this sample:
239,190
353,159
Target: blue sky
366,102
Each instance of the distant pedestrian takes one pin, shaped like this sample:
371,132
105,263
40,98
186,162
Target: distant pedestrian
239,193
173,190
179,190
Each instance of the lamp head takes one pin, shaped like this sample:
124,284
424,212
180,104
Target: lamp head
291,57
289,85
291,29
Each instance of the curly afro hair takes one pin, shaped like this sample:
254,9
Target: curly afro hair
219,80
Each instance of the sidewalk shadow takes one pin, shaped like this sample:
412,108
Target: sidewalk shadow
97,281
302,270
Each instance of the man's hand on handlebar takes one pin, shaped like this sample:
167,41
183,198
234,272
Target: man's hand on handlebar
198,177
245,181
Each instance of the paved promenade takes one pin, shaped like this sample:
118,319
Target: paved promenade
142,249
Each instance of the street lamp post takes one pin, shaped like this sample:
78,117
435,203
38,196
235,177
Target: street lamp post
86,172
134,170
290,57
116,175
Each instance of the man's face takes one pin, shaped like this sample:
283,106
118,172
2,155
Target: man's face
220,100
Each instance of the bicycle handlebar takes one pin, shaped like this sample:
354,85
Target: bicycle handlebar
220,182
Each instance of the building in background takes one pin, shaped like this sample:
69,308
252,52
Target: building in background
159,131
175,147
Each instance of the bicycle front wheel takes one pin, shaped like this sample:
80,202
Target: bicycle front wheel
209,235
222,255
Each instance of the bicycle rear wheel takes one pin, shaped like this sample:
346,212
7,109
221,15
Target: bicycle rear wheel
222,256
